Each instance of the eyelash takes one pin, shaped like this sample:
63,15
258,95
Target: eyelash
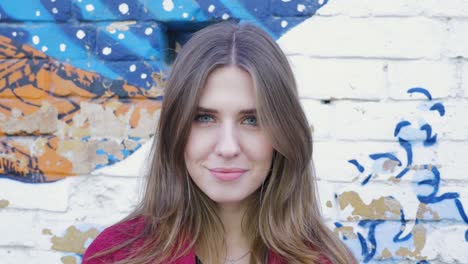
199,116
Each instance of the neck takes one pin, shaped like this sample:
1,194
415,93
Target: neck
236,241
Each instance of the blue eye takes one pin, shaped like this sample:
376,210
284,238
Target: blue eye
251,120
203,118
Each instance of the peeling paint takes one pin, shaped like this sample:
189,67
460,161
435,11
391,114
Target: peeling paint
383,208
121,25
4,203
386,254
347,231
46,231
425,211
43,121
69,260
73,240
419,235
389,165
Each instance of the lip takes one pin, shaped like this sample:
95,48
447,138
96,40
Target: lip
227,174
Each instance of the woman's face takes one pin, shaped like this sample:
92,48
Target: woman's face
228,154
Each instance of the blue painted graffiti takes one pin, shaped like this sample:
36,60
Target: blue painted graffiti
140,45
427,182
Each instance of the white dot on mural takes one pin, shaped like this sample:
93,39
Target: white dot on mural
123,8
284,23
168,5
286,1
106,51
132,68
143,76
44,48
225,16
148,31
38,13
35,40
89,7
14,34
80,34
62,47
300,8
211,8
185,15
52,1
320,2
54,10
121,36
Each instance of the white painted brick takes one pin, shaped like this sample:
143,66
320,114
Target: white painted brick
332,160
326,193
452,156
18,228
319,116
449,8
439,77
366,37
457,39
339,78
48,196
366,8
21,255
447,242
354,8
464,80
377,121
103,196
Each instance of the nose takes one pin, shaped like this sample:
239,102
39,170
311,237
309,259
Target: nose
228,143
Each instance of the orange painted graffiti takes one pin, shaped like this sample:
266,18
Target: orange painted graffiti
46,104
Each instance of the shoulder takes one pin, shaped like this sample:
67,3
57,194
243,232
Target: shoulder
111,237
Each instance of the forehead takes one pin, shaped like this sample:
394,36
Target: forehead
228,87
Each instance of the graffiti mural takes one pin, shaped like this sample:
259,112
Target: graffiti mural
395,225
75,97
57,108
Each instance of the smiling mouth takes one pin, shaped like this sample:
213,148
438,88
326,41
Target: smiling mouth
225,174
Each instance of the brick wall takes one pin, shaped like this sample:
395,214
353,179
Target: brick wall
383,85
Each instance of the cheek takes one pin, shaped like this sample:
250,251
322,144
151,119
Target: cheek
197,147
259,149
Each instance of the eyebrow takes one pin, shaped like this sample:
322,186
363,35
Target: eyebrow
214,111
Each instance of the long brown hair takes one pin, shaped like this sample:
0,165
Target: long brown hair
283,215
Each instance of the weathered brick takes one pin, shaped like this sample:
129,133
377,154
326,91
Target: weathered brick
22,255
457,39
294,8
51,197
398,8
378,121
439,77
464,80
319,116
446,242
106,10
24,10
339,78
366,37
125,41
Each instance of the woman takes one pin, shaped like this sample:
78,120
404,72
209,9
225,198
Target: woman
231,179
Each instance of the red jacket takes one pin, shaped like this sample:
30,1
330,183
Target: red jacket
119,233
